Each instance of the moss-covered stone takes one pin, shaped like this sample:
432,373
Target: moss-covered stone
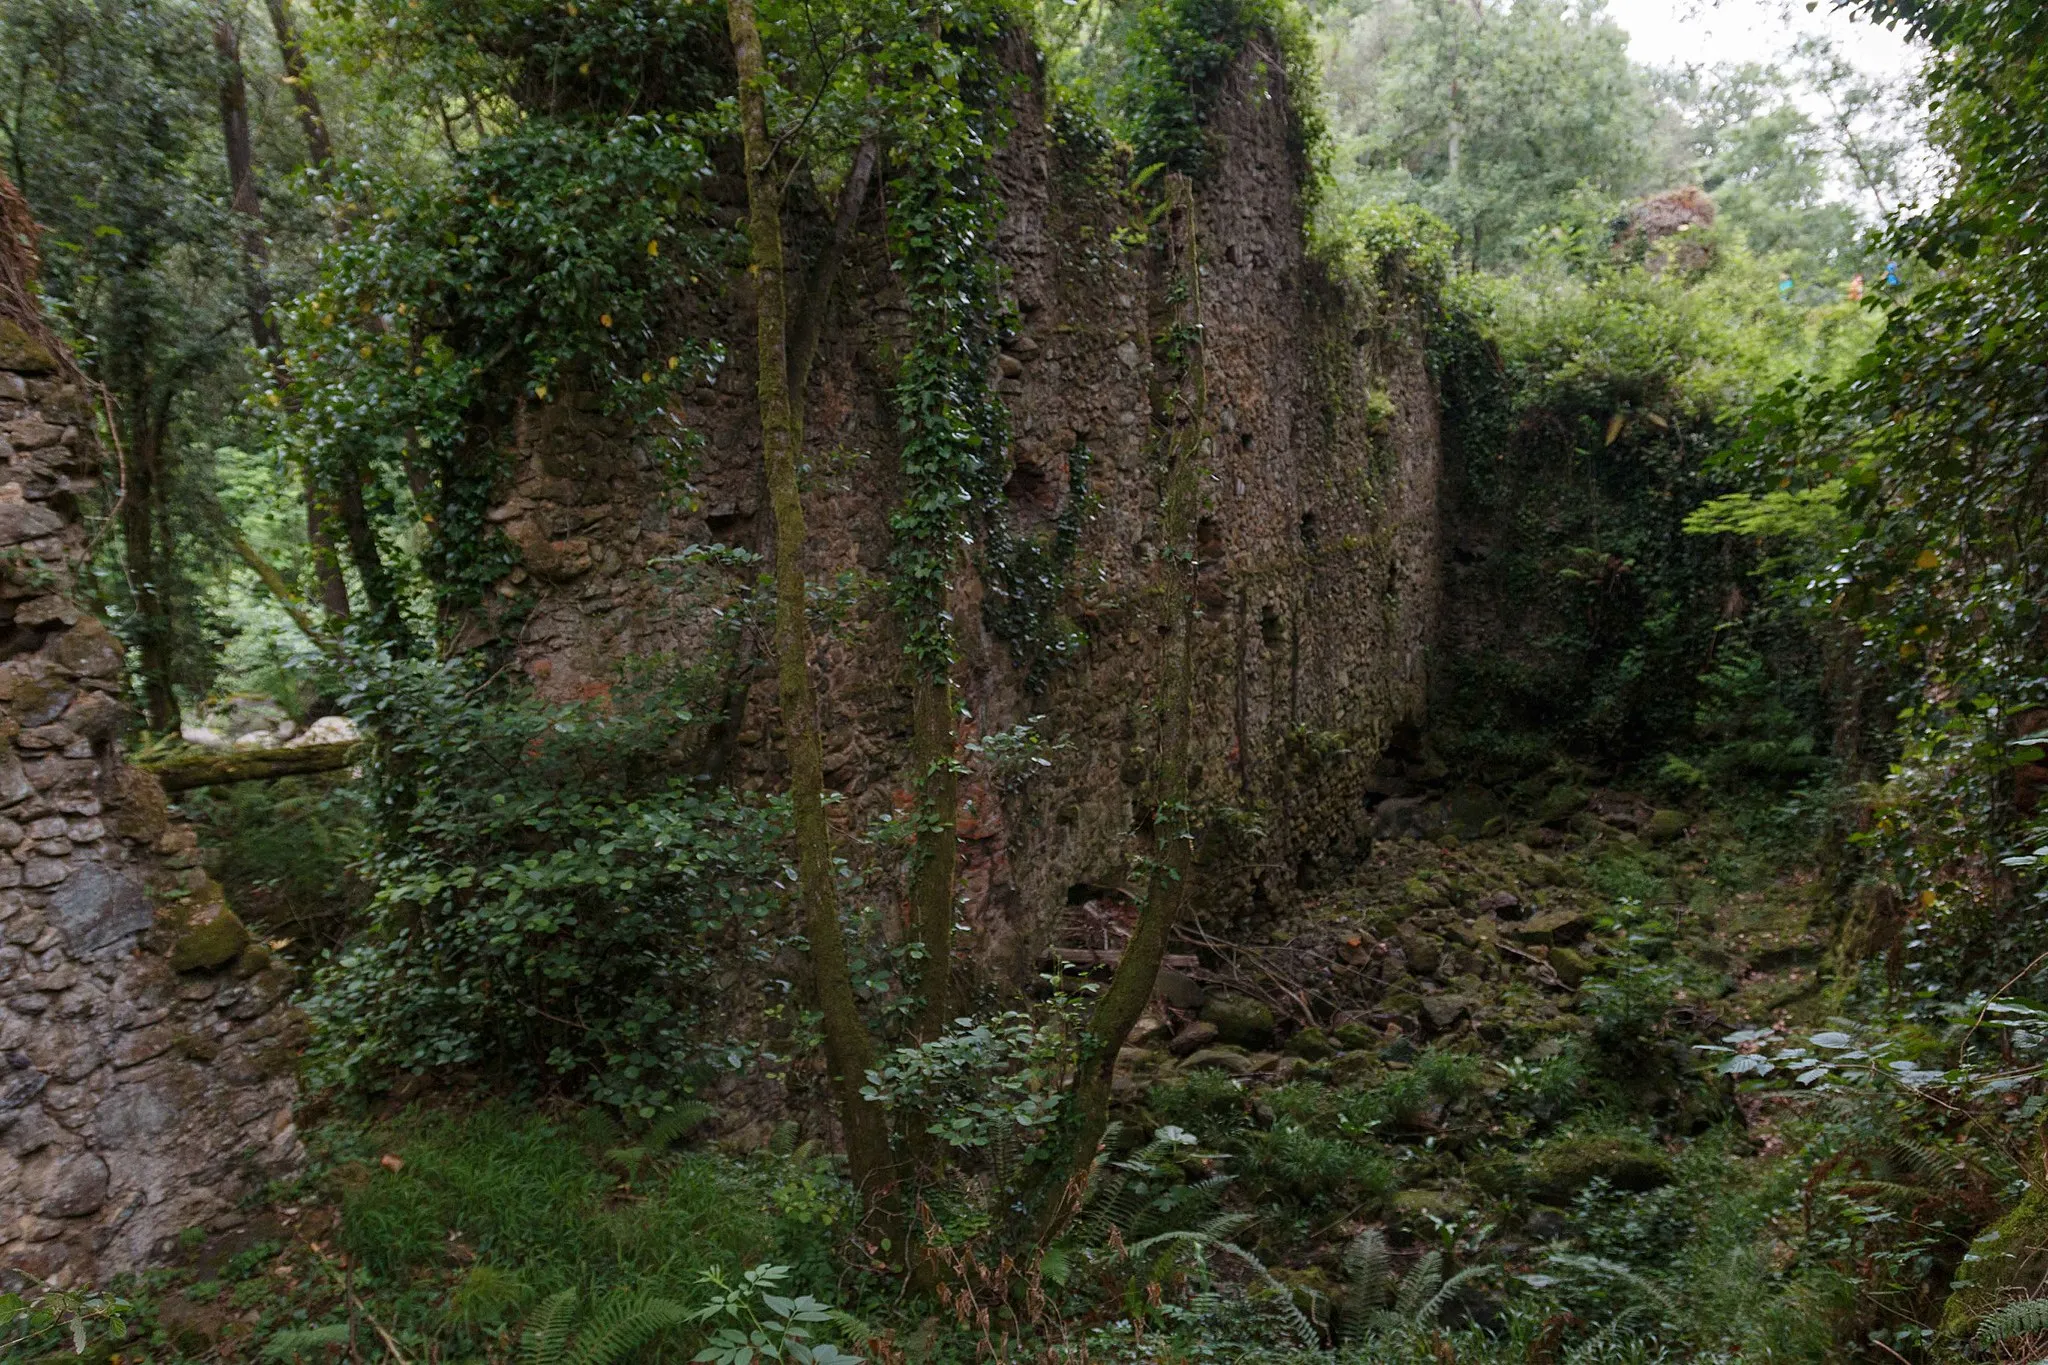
1664,826
1571,966
1561,1168
2010,1254
1239,1021
21,352
1311,1044
209,942
1234,1061
1351,1037
1560,804
1424,895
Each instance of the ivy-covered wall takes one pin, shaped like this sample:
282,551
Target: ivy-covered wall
1317,535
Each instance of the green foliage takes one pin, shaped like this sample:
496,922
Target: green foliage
619,1329
549,897
758,1323
1935,439
1538,100
40,1317
1176,56
982,1083
544,263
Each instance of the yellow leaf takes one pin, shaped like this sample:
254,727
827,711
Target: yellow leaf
654,248
584,69
674,361
1614,425
540,390
1928,559
605,318
647,376
1926,899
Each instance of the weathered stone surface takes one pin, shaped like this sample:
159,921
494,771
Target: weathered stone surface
1192,1039
1221,1058
1319,569
115,1137
1238,1021
1442,1012
214,938
77,1187
21,353
1556,926
98,907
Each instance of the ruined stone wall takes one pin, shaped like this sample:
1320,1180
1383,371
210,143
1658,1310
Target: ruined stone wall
146,1056
1317,538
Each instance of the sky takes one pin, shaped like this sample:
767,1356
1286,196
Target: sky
1678,33
1684,32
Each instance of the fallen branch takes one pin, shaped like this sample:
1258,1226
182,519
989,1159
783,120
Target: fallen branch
186,771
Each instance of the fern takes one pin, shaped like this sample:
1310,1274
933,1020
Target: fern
547,1340
309,1342
1419,1286
1305,1332
620,1328
2019,1319
1432,1310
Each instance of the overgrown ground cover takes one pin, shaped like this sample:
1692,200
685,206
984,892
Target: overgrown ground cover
1541,1164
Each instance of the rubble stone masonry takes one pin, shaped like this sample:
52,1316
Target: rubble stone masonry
146,1050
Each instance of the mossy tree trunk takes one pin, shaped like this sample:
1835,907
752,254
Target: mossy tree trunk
849,1049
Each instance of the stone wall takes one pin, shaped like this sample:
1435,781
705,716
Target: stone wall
146,1055
1318,534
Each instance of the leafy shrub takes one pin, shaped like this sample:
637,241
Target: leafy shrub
548,897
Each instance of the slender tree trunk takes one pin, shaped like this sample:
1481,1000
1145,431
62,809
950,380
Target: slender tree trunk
1180,418
849,1050
311,120
320,512
811,317
243,198
147,558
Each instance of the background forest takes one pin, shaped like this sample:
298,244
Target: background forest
1744,379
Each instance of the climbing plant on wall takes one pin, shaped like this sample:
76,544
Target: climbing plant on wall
544,262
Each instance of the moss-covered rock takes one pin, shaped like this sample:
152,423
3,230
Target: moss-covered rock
1239,1021
2010,1254
1423,895
1234,1061
1351,1037
1561,1168
1311,1044
1560,804
1571,966
212,938
1664,826
1555,927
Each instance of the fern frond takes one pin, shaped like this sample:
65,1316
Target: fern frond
1615,1270
1368,1271
1419,1285
676,1123
308,1342
1226,1225
625,1324
2018,1319
1305,1332
547,1339
1433,1310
